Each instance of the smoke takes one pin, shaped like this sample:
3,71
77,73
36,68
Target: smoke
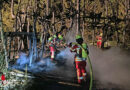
111,67
62,66
43,64
70,36
65,70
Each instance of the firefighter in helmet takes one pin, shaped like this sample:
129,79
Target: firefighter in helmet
51,47
80,58
99,40
61,41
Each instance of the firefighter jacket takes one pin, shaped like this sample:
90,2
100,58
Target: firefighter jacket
81,50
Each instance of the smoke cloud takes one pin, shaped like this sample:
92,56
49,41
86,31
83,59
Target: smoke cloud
63,66
111,67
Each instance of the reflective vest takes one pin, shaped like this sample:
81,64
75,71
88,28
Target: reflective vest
50,39
84,50
60,37
78,59
81,51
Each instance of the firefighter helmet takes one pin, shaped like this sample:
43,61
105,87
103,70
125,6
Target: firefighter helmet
60,37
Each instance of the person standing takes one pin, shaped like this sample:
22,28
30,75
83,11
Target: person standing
80,58
52,48
99,40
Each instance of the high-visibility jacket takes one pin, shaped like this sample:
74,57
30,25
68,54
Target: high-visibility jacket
81,50
50,39
60,37
84,50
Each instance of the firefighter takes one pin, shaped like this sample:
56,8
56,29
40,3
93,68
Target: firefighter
51,47
99,40
80,58
55,40
61,41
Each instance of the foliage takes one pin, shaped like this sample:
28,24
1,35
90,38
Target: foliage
105,12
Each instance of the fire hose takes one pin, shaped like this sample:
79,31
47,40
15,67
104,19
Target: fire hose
90,67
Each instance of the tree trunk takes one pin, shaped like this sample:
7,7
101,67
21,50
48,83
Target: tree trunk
28,30
47,8
12,9
93,36
126,21
63,6
78,17
3,40
117,7
104,36
53,21
35,39
83,21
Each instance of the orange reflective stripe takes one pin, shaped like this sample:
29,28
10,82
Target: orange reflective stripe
52,55
84,74
99,40
80,78
78,59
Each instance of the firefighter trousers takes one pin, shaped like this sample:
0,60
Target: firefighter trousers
81,71
52,53
99,43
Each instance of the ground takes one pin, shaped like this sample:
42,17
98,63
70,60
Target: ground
110,71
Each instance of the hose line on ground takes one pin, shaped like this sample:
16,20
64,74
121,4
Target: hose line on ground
91,73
